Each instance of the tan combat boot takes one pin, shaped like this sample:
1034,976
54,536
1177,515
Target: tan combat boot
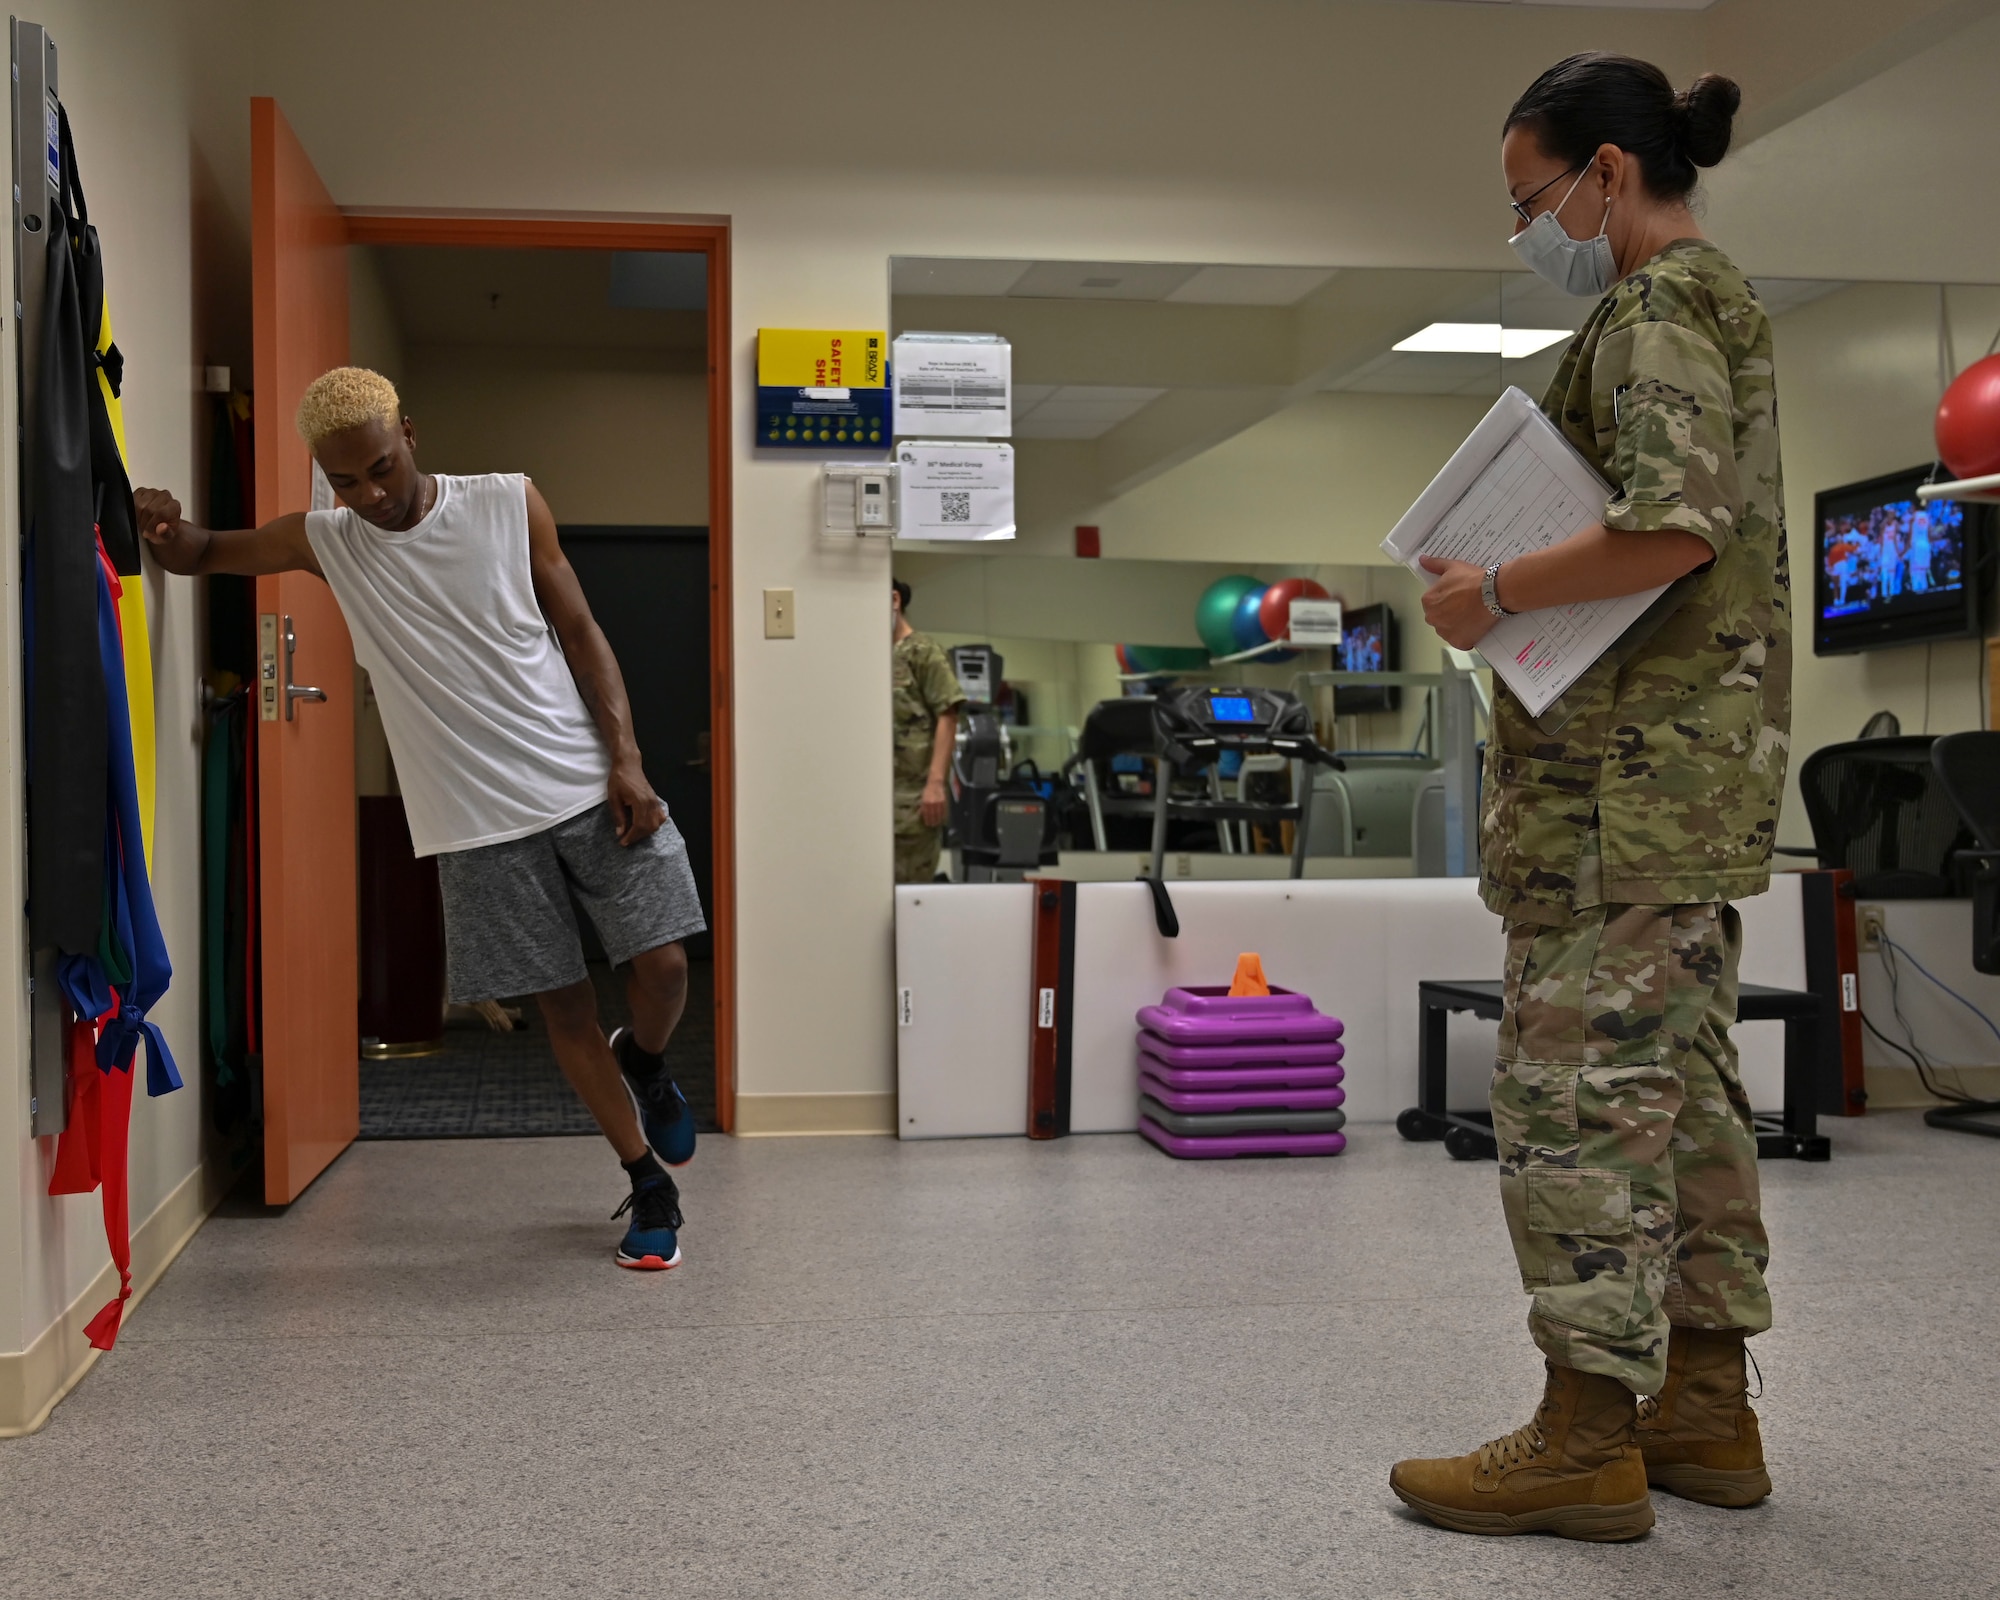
1573,1471
1700,1436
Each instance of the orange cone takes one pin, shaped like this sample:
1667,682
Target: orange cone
1249,977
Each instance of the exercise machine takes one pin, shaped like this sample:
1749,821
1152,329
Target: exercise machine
1193,729
1002,828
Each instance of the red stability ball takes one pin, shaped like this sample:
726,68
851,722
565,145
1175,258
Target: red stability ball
1275,613
1968,421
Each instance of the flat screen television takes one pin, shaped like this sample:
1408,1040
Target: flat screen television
1892,569
1368,643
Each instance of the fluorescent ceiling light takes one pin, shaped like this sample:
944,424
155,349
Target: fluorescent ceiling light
1481,339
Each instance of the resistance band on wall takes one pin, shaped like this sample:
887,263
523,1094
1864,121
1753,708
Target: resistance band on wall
91,769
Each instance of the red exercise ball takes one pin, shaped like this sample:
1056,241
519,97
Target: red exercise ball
1276,611
1968,421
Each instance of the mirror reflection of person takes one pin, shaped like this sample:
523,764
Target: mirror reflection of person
1614,841
926,700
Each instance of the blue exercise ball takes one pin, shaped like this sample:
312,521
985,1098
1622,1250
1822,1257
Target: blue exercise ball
1246,623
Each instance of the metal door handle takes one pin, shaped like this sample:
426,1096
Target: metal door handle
295,692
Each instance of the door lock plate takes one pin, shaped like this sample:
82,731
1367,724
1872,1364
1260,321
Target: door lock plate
267,667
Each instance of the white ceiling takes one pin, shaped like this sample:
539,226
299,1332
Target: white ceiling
1523,301
1044,410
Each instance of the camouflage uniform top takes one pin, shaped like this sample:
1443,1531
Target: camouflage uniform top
1662,787
924,689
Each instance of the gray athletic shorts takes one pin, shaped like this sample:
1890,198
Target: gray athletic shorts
510,929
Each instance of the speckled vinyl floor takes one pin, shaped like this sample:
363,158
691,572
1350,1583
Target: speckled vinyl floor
974,1369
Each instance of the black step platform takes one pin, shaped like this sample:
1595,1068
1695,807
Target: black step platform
1468,1135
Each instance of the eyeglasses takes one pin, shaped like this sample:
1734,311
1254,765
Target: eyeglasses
1521,206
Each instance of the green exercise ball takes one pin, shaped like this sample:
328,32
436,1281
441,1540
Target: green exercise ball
1215,611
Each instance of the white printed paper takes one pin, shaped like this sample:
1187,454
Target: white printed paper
952,385
1313,622
956,490
1517,485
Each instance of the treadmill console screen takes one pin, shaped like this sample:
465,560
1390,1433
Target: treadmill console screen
1231,708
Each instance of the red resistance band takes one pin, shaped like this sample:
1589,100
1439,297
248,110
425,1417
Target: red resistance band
92,1151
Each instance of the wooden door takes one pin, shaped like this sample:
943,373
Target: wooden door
305,748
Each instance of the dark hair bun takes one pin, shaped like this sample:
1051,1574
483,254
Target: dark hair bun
1708,115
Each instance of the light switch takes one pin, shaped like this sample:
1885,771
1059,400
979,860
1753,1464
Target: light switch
779,619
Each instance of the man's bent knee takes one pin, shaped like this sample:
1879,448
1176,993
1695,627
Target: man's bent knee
663,969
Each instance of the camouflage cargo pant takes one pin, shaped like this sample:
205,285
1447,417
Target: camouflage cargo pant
1628,1161
916,845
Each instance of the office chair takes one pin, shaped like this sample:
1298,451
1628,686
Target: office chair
1879,808
1968,768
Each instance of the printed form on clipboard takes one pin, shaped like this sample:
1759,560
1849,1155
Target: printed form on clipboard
1517,485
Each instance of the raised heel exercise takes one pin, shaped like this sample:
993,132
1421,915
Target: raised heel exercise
507,718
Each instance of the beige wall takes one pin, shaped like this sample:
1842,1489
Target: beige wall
154,95
608,436
1859,375
1322,481
374,335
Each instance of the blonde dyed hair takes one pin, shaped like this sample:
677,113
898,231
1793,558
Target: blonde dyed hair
346,397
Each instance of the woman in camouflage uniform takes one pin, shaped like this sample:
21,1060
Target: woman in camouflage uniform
1618,828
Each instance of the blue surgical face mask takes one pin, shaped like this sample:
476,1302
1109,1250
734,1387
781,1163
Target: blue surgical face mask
1575,266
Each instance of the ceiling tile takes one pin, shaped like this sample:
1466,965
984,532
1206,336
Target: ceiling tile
1101,280
1251,286
952,275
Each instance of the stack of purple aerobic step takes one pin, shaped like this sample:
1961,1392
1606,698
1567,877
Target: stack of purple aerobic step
1239,1075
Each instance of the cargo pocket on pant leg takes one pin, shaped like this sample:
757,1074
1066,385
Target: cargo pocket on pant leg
1578,1234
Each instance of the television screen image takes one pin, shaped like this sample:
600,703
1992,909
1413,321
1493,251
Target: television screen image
1893,569
1368,644
1902,548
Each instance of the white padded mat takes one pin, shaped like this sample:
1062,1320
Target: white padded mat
1358,947
965,964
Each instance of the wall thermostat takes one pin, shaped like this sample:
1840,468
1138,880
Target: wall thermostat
861,500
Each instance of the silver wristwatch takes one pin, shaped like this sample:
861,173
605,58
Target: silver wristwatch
1489,594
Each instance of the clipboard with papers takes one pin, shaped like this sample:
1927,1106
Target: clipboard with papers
1517,485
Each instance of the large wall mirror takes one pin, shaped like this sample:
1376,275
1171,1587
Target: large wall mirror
1209,421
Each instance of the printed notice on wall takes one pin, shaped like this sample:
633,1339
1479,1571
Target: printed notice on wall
953,385
956,490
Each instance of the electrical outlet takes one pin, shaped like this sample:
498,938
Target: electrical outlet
1872,924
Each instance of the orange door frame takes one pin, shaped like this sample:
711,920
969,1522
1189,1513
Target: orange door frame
710,237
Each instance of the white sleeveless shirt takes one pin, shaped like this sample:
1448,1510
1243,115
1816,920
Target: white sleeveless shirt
492,741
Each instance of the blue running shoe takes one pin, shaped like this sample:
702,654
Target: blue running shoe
663,1109
651,1242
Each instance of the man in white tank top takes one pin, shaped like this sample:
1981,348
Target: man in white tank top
512,737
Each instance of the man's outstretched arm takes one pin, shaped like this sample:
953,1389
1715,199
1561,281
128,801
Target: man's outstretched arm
179,546
636,809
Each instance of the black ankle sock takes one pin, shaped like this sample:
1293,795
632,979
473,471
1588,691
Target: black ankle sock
642,1064
647,1166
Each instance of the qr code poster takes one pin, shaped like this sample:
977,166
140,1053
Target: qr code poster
956,490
